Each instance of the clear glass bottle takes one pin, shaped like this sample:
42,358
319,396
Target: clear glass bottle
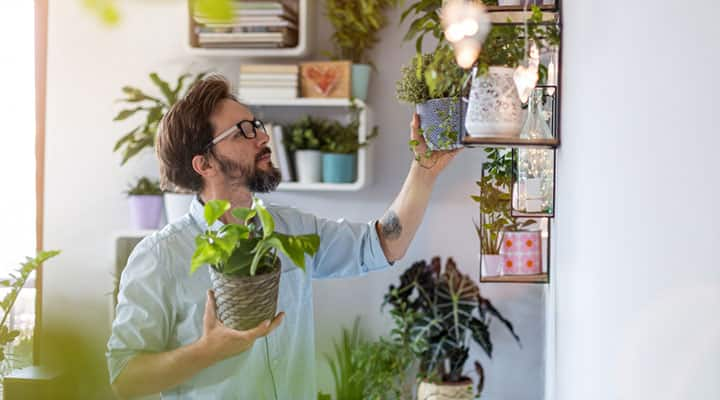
535,165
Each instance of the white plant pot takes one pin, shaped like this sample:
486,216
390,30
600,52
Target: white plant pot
445,391
492,264
177,205
308,165
494,108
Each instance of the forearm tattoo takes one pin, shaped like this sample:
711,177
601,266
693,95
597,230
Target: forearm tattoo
391,227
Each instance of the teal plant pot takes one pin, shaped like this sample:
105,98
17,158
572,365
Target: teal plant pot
339,168
360,81
438,117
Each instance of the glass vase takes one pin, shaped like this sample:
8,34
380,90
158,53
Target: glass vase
535,165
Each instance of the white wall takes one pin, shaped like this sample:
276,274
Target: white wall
637,275
88,63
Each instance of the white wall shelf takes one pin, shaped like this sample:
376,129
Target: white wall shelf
301,49
272,108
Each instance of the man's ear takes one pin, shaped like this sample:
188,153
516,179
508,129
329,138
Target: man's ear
202,165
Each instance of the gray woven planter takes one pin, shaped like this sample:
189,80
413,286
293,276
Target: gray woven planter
244,302
437,116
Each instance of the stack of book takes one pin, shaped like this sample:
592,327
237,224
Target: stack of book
255,24
260,81
279,154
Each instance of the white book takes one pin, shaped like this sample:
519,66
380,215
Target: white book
283,158
268,77
267,84
249,94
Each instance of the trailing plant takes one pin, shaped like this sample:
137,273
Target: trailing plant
356,26
15,283
451,314
145,186
153,107
431,76
495,200
249,248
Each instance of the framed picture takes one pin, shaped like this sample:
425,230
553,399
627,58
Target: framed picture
325,79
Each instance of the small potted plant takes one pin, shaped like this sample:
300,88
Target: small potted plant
244,261
451,314
340,144
303,139
495,201
356,29
494,106
146,204
434,83
142,136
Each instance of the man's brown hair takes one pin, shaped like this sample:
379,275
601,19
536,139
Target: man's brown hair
185,131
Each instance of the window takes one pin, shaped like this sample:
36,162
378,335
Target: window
23,130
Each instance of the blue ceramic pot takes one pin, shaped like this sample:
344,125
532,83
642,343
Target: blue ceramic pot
339,168
360,81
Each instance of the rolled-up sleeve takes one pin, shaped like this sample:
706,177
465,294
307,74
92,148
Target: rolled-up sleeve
143,315
347,249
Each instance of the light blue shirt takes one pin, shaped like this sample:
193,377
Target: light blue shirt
160,306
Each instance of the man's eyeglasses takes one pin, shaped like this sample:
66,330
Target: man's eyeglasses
245,127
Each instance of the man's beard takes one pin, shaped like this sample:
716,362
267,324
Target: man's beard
255,179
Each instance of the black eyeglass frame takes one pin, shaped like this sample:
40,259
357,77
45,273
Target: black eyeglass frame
255,123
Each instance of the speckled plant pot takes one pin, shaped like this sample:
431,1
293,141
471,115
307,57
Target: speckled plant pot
438,116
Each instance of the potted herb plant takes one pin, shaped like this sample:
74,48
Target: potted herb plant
340,144
146,204
356,27
494,107
434,83
302,138
244,261
495,208
451,314
153,108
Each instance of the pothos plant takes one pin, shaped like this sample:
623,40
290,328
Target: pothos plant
495,200
154,107
248,248
451,313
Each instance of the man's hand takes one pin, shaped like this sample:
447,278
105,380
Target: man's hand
222,342
437,160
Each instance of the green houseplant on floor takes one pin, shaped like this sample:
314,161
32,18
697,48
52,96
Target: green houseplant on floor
244,263
146,203
451,314
356,26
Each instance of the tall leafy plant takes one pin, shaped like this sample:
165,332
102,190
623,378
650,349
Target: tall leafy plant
248,248
495,200
356,24
343,364
451,314
14,285
153,107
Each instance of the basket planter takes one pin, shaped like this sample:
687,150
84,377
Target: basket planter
446,391
145,211
438,116
494,108
244,302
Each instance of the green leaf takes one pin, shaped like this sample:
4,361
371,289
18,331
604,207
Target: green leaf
244,214
216,10
164,88
125,114
295,247
265,218
214,209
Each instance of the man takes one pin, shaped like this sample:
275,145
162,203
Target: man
166,336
